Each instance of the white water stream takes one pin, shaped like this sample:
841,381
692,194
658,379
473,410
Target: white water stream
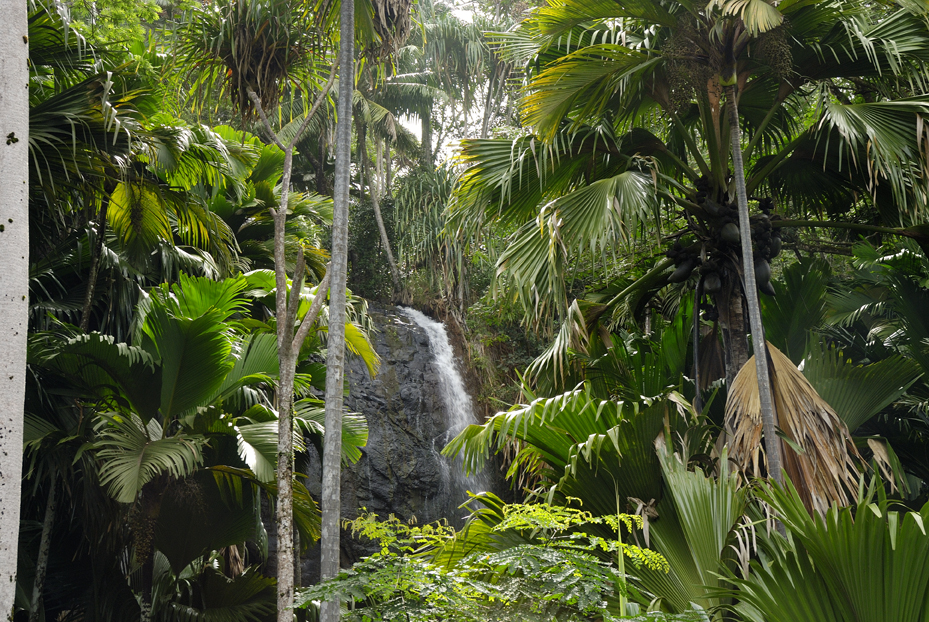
458,408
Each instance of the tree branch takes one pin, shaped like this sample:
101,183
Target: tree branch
316,104
310,318
264,119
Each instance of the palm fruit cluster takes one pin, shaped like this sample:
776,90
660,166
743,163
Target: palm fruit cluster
766,241
721,237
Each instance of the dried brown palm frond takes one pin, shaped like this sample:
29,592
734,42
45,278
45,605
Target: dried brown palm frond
820,457
392,23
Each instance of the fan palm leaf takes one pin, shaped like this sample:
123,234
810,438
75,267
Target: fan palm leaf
132,454
858,392
695,528
865,563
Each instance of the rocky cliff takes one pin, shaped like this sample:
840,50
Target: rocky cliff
401,471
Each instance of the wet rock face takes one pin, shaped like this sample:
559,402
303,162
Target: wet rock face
401,470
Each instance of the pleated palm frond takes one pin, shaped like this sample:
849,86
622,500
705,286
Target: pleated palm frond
232,481
257,446
133,454
867,563
858,392
698,523
249,597
819,455
309,414
798,308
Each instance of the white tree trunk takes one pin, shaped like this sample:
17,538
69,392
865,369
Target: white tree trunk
14,280
335,356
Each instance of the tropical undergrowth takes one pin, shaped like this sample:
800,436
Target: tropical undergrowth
555,569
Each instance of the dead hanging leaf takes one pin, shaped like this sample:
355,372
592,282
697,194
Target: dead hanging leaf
392,23
884,462
825,468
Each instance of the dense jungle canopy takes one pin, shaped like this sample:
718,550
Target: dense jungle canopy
684,245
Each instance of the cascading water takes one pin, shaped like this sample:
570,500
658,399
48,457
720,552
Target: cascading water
458,408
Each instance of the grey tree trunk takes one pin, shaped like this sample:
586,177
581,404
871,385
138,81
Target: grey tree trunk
772,442
96,254
14,281
489,101
335,355
388,181
379,165
376,205
361,134
45,542
426,139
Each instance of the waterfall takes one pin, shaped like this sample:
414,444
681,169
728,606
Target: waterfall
458,409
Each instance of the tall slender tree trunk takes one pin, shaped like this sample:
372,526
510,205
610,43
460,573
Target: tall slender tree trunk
361,133
379,165
489,100
335,355
322,184
14,281
38,584
288,346
426,138
376,205
388,179
96,253
772,442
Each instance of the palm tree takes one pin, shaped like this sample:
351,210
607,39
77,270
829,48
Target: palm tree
14,112
601,77
190,393
110,174
255,49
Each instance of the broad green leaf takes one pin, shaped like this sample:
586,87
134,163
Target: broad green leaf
130,458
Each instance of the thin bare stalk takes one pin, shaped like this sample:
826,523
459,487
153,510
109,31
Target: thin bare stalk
96,253
38,584
382,230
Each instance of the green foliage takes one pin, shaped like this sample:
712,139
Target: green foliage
251,45
134,454
798,308
368,271
557,576
868,563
